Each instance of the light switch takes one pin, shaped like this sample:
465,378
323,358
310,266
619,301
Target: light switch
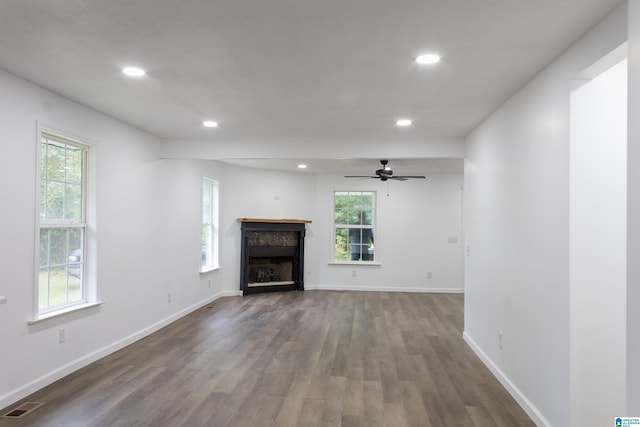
3,300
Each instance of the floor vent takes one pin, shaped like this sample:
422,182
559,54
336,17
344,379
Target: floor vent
23,410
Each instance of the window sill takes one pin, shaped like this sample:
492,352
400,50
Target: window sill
209,270
64,311
354,263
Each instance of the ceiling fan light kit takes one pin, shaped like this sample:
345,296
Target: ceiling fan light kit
385,173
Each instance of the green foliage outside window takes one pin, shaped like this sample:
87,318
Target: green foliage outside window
354,219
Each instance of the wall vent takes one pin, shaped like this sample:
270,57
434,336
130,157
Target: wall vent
22,410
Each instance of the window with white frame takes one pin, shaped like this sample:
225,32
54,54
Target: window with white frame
354,226
62,224
209,224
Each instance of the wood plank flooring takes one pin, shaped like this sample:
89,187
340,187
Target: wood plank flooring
315,358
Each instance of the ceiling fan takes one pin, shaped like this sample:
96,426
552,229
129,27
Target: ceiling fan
385,173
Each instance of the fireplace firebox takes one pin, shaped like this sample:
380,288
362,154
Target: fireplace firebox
272,255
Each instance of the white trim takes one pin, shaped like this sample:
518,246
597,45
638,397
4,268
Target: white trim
66,310
237,293
518,395
384,289
354,263
39,383
210,269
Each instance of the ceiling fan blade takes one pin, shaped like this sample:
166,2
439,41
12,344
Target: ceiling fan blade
406,177
361,176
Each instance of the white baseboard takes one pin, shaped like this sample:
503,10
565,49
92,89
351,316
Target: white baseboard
383,289
519,397
35,385
232,293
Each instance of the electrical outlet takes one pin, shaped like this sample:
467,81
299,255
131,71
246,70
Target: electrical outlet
209,283
61,335
500,340
354,273
169,297
429,275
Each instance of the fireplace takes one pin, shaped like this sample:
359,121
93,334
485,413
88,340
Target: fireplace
272,255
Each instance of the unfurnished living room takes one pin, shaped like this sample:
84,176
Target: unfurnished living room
319,213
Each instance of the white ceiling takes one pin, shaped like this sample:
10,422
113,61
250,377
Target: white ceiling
287,69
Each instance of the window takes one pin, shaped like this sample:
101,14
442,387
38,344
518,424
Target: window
62,225
209,224
354,225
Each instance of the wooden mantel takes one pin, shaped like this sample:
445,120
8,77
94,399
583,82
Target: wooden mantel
274,220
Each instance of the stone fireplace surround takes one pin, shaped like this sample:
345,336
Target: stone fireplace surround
272,255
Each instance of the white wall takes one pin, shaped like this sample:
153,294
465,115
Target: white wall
148,229
415,220
517,232
598,248
414,224
260,193
310,148
633,216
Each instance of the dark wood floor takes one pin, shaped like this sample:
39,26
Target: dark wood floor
315,358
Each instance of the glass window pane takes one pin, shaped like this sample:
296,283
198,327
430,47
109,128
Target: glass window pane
74,165
44,248
75,254
368,250
206,245
207,186
58,242
341,215
367,209
341,245
56,161
74,290
355,215
76,239
57,286
55,200
207,202
338,208
355,238
206,213
73,202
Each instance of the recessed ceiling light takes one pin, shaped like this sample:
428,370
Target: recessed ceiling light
428,59
302,166
133,71
404,122
210,124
